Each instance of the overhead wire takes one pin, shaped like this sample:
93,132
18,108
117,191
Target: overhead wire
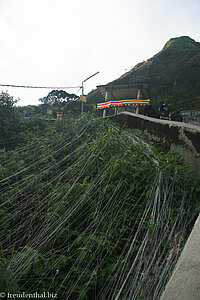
40,87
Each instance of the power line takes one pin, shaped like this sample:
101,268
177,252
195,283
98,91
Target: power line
40,87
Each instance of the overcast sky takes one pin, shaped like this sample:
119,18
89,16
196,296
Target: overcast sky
62,42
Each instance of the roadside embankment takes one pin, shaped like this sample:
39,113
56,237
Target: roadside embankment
175,136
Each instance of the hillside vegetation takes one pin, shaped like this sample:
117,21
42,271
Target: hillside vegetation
91,211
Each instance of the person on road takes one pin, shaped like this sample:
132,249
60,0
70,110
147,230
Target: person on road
164,110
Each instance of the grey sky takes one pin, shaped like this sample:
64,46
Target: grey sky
62,42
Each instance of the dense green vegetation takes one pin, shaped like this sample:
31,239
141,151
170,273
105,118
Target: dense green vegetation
9,121
15,129
91,211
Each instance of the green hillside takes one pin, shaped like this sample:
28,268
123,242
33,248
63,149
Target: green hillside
91,211
173,73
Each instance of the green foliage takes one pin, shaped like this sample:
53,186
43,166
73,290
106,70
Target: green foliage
58,98
9,121
76,197
7,279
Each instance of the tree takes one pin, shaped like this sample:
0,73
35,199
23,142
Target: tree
9,121
58,98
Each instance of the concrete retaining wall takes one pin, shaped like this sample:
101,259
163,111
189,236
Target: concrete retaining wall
184,283
175,136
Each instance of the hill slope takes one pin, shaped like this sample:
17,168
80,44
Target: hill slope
173,73
92,211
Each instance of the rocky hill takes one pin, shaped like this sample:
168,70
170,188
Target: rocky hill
173,73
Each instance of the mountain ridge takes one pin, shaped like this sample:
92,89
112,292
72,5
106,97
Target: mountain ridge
172,73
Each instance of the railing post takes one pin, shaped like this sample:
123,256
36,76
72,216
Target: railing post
138,97
106,98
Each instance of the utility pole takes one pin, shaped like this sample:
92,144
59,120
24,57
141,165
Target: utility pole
82,87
